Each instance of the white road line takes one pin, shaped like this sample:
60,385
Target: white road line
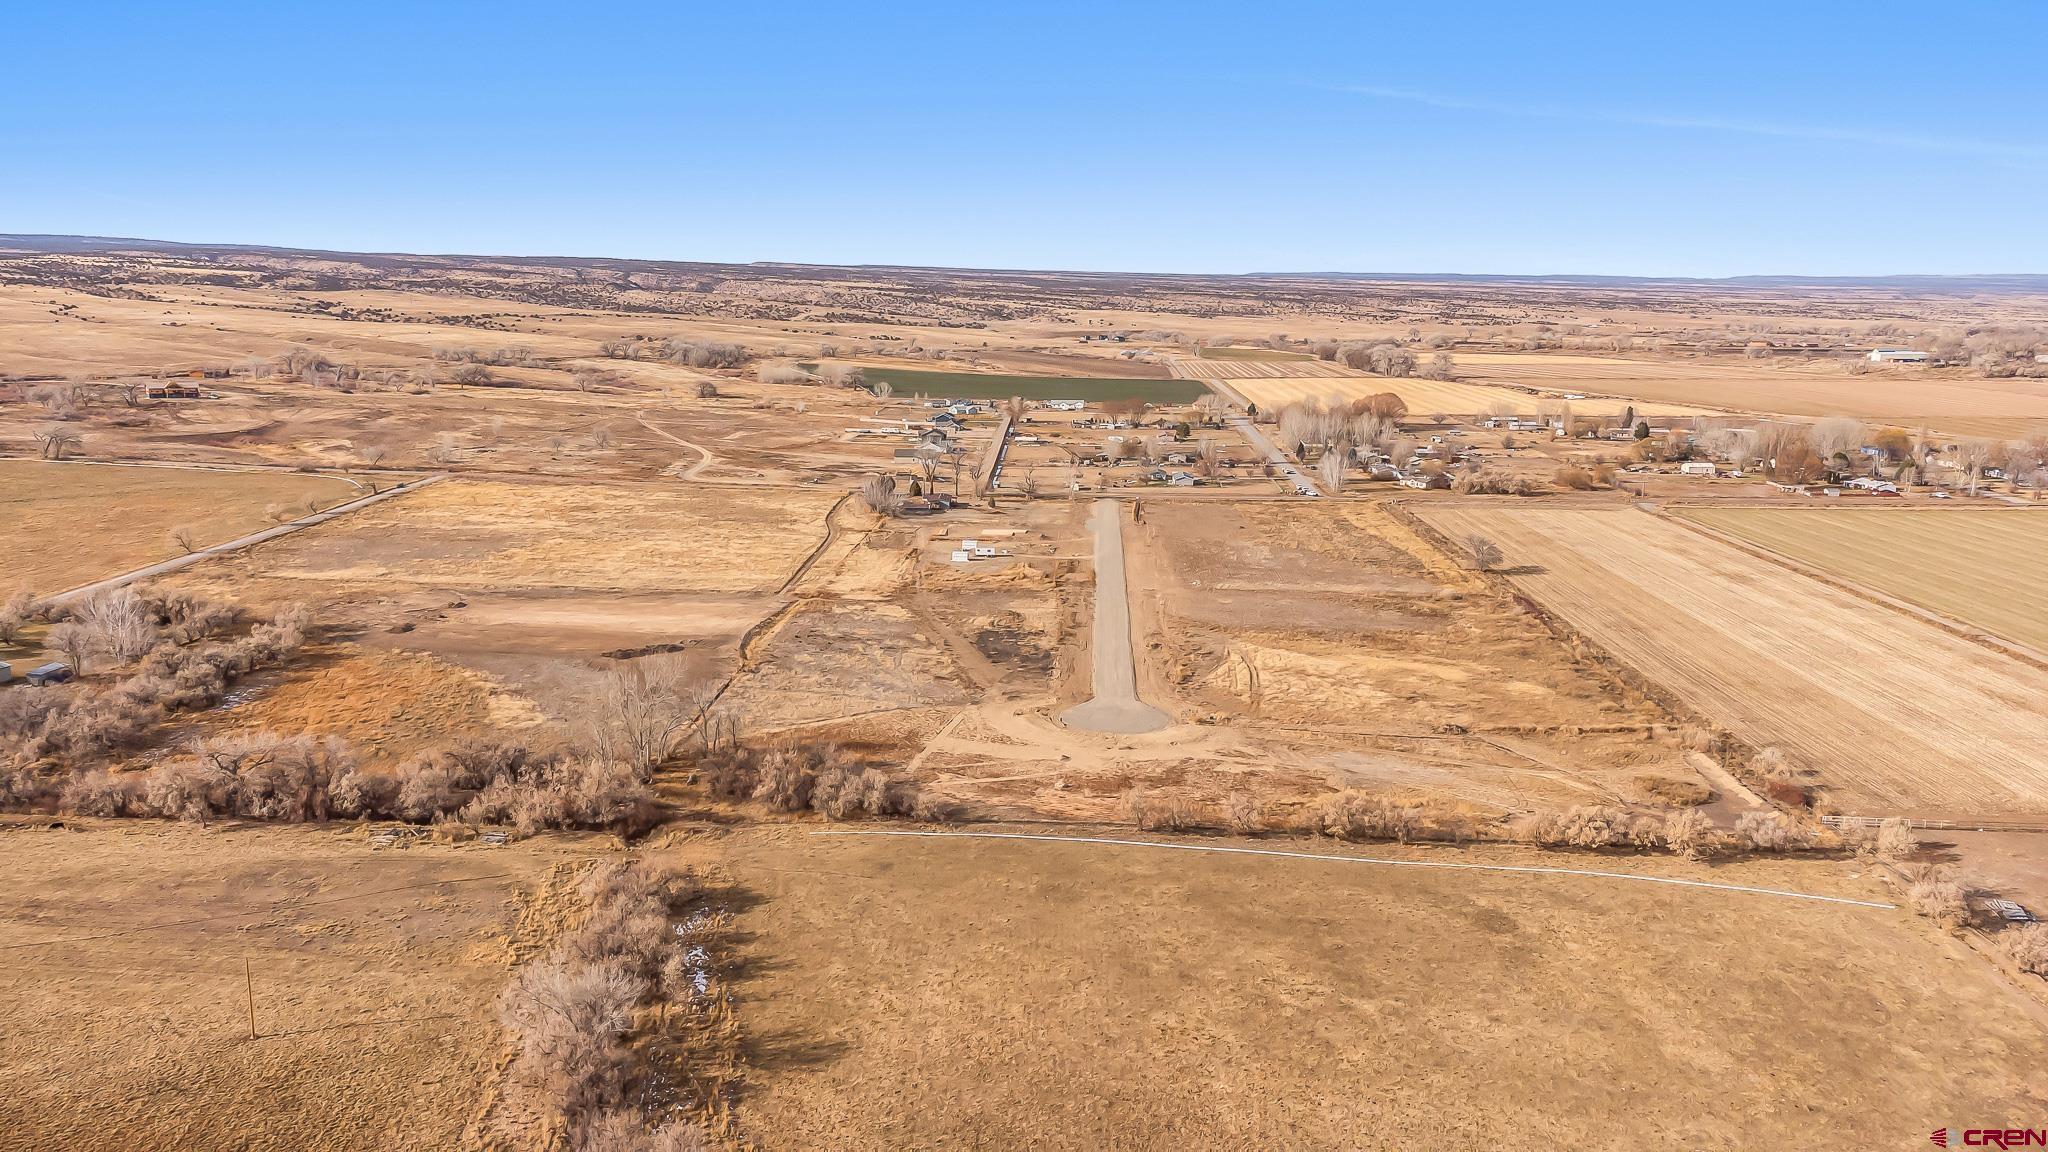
1525,868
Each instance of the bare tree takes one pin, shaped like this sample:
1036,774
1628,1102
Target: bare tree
185,538
73,640
642,710
878,492
55,438
1486,555
117,623
1331,469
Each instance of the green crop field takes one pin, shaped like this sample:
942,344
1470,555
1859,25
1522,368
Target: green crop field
983,386
1251,354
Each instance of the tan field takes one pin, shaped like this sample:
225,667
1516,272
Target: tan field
657,607
958,993
64,524
1456,397
132,950
1964,565
1909,398
1894,713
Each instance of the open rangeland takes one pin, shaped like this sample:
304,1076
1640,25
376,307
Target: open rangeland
1895,714
1453,397
134,951
67,524
902,992
1970,565
533,583
1909,398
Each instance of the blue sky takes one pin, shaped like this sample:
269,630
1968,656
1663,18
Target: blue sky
1705,140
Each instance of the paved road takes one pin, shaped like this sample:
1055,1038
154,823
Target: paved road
1115,706
253,538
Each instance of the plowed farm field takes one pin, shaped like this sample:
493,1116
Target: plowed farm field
1205,369
1896,714
1969,565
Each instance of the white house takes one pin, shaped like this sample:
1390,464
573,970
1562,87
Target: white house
1698,468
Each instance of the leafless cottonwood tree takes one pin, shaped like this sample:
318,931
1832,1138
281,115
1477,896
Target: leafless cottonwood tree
1331,469
642,710
185,538
878,492
56,439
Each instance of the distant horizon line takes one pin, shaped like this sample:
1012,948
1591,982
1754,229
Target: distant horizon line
60,243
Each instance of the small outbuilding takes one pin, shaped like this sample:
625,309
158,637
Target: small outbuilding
55,672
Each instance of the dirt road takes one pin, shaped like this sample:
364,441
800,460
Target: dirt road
1115,706
691,473
1297,479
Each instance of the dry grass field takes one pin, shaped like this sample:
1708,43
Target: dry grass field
1954,404
1977,566
124,1018
67,524
1454,397
904,993
1894,713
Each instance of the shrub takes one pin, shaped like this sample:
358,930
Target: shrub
1689,833
1244,813
1896,842
573,1013
1770,831
99,793
1935,894
932,808
1575,478
1155,813
1355,815
783,374
2028,946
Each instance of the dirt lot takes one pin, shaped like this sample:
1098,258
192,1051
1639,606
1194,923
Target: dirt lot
124,1019
1384,666
954,993
1961,564
1896,714
65,524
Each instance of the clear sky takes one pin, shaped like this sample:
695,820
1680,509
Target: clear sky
1640,138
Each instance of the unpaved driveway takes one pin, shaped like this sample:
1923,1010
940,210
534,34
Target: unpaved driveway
1115,706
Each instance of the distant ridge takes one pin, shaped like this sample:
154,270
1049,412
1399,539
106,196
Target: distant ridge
2018,282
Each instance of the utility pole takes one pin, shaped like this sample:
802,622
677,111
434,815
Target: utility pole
249,982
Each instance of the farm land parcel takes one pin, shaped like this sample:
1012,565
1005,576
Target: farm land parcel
1966,564
1896,714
